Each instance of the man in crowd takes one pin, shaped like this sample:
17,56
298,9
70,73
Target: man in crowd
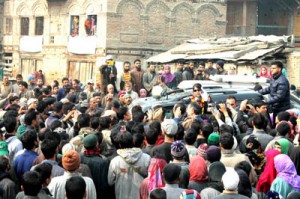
279,90
150,78
137,76
125,76
178,72
188,73
108,73
210,70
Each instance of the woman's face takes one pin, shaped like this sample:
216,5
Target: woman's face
263,71
277,147
167,70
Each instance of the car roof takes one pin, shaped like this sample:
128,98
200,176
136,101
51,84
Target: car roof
226,81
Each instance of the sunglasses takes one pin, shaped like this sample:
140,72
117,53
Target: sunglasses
196,90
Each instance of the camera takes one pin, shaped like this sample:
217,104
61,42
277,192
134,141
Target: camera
110,63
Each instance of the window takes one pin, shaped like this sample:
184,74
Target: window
25,26
39,25
90,25
51,39
8,25
74,25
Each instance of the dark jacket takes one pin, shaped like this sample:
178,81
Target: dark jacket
188,74
279,91
105,75
99,169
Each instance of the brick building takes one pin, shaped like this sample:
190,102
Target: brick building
71,37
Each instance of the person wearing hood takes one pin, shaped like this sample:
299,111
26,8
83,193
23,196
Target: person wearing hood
220,68
215,186
128,169
198,174
245,187
170,79
287,179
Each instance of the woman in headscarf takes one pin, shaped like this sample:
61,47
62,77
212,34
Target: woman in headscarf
245,187
287,179
282,145
263,72
143,93
170,80
154,179
215,186
269,174
295,156
198,174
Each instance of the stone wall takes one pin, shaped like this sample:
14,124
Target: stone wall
160,25
293,67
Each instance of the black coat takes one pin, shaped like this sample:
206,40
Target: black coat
279,91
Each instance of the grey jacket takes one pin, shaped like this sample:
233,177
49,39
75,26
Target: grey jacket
126,170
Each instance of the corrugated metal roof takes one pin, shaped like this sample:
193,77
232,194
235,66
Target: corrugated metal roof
228,49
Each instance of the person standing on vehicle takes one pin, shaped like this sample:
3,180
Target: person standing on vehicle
197,97
279,90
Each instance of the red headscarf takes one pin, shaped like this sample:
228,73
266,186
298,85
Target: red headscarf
155,173
269,173
266,75
198,170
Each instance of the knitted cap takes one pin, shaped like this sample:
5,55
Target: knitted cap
178,149
90,140
71,160
220,63
190,194
201,151
213,139
213,154
230,180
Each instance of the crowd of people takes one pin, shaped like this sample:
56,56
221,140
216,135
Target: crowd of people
72,140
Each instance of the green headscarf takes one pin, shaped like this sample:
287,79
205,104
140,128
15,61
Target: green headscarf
285,144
